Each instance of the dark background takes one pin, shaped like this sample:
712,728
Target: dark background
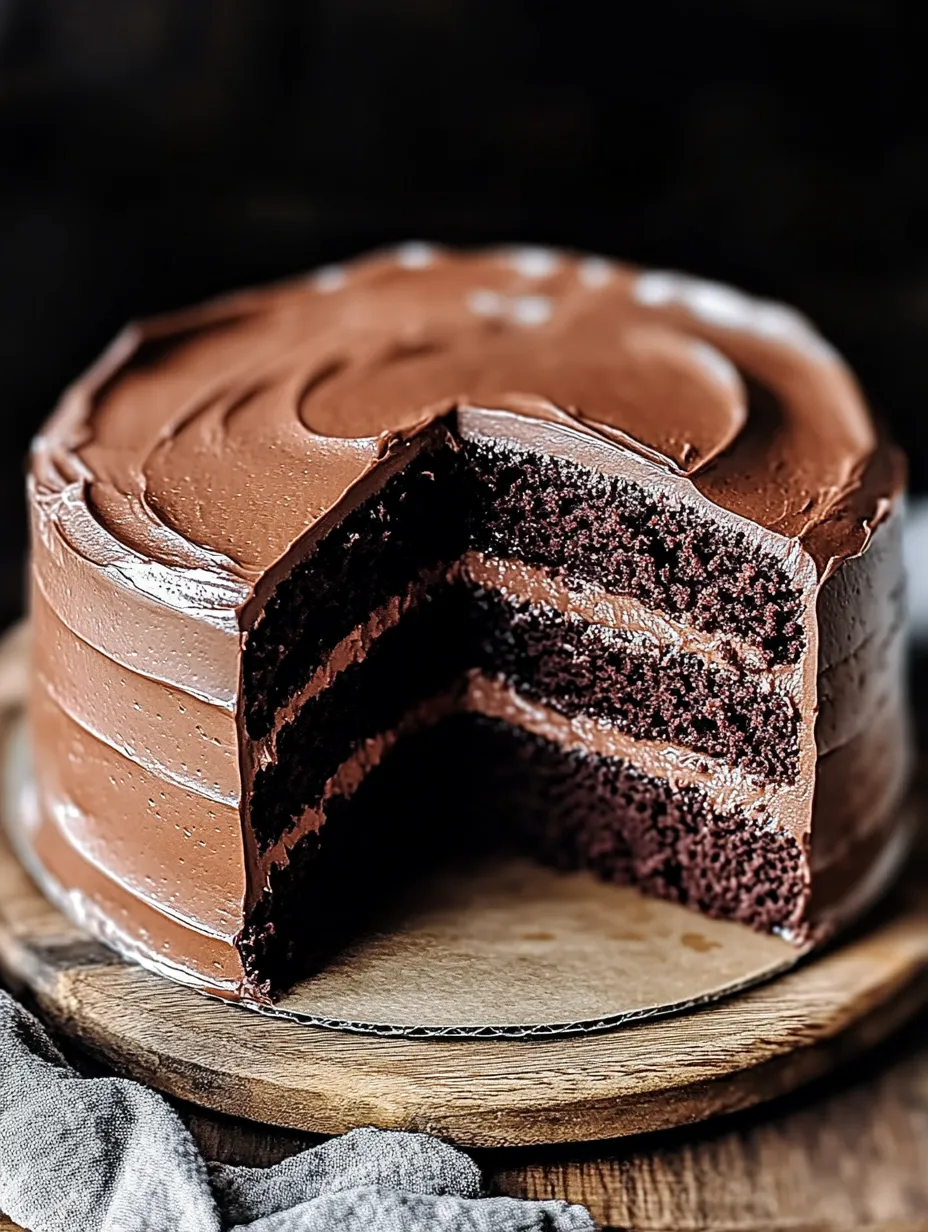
155,151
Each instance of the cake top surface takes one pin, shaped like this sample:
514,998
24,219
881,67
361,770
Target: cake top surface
210,440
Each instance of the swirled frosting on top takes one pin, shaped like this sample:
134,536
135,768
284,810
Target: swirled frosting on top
205,443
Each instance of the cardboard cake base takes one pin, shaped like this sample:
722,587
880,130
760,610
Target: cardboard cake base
517,950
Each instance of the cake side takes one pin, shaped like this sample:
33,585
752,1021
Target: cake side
863,727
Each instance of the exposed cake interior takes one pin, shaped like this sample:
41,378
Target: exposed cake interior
625,670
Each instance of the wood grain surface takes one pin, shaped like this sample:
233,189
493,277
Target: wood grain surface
846,1155
849,1153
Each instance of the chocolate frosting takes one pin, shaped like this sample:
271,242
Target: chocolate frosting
291,394
207,450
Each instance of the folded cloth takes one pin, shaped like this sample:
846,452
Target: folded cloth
109,1155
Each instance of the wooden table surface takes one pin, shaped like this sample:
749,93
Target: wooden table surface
848,1154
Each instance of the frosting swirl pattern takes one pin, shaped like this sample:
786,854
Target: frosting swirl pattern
208,441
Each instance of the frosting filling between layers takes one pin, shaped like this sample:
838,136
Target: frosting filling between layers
596,605
351,651
729,790
582,668
648,632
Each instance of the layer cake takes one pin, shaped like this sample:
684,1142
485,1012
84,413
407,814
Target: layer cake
444,552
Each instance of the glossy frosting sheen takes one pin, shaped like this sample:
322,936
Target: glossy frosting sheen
207,449
290,394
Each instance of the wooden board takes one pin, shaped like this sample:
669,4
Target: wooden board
479,1093
849,1154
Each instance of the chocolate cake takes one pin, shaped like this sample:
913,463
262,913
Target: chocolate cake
437,551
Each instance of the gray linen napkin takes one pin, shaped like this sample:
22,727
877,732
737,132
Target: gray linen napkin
109,1155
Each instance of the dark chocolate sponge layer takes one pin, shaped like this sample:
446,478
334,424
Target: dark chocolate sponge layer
582,668
550,512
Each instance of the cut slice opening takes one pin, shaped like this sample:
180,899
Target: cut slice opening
501,647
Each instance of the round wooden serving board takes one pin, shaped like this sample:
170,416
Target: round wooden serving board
478,1092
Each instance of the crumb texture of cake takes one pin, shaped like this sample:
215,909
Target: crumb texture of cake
546,511
338,580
